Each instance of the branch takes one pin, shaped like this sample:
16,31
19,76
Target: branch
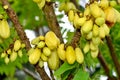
113,55
22,35
52,20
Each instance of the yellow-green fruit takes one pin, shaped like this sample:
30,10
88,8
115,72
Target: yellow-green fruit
70,55
46,51
20,54
53,60
96,40
94,54
41,63
61,52
117,15
41,4
71,15
89,35
43,57
35,41
104,4
42,38
101,32
6,60
4,29
35,56
69,6
17,45
113,3
95,10
93,47
9,51
106,29
3,55
37,1
30,51
100,21
87,27
110,15
95,30
75,21
79,55
62,6
87,11
51,40
86,48
22,45
81,21
13,56
41,44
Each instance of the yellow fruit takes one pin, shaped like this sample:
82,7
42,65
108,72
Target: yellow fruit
6,60
5,6
101,32
89,35
86,48
35,56
71,15
70,55
43,57
62,7
75,21
3,55
42,37
41,63
104,4
106,29
35,41
95,31
53,60
46,51
41,44
87,11
69,6
9,51
95,10
22,45
110,15
96,40
30,51
100,21
93,47
61,52
41,4
4,29
87,27
79,55
94,54
81,21
17,45
51,40
13,56
20,54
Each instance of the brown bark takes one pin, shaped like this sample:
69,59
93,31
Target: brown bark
113,55
20,31
52,20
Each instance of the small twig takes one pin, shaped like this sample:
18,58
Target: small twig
113,55
22,35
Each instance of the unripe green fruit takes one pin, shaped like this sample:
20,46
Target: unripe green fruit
41,63
79,55
94,54
96,40
3,55
46,51
37,1
106,29
13,56
4,29
22,45
41,44
87,27
35,56
100,21
6,60
86,48
17,45
30,51
93,47
89,35
43,57
95,30
20,54
70,55
113,3
69,6
53,60
35,41
9,51
1,40
62,7
41,4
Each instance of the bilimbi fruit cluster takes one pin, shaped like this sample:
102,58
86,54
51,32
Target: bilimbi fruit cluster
94,23
10,55
41,3
4,30
48,49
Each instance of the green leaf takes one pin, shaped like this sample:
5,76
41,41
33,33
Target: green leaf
81,75
65,67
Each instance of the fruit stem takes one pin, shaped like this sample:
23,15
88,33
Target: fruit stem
113,55
22,35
